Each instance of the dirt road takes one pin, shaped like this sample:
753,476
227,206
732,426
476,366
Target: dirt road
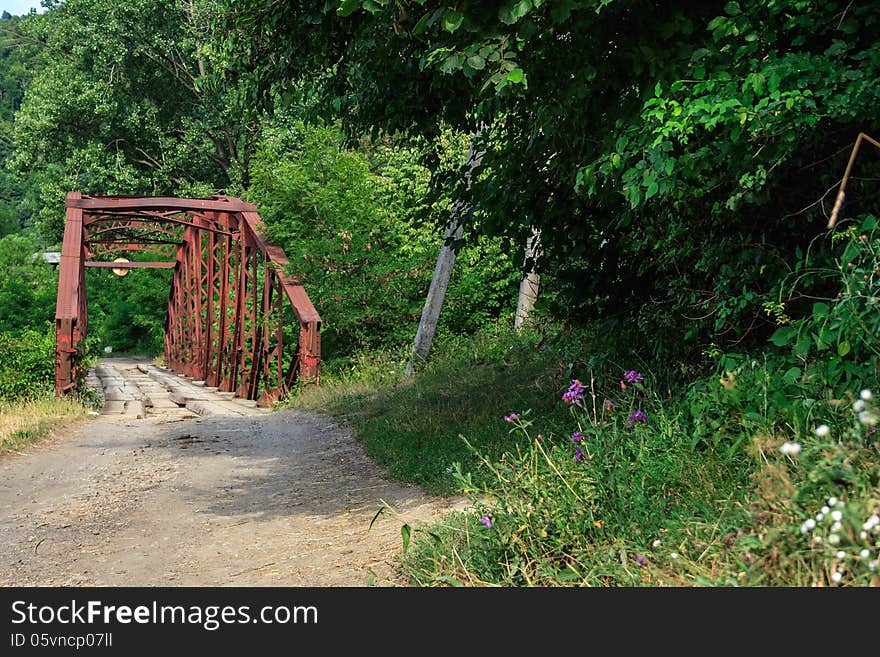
280,498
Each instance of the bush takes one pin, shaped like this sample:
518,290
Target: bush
27,364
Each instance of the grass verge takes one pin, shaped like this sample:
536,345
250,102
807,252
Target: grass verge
413,427
730,480
22,423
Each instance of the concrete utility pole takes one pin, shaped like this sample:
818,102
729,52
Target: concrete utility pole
530,283
461,211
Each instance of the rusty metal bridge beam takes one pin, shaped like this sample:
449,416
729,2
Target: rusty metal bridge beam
69,315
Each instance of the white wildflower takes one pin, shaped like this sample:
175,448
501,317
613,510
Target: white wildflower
836,527
673,555
863,535
871,522
822,430
809,523
858,406
836,577
832,501
834,539
836,516
817,540
867,418
825,510
864,554
820,517
841,554
790,448
866,394
656,543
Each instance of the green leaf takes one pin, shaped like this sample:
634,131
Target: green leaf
505,15
851,252
516,76
476,62
783,335
791,375
820,310
732,9
452,20
420,27
372,6
375,517
521,8
405,533
843,349
348,7
652,189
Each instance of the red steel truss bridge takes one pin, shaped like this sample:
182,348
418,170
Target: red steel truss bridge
232,309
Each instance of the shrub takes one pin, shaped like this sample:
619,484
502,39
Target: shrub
27,364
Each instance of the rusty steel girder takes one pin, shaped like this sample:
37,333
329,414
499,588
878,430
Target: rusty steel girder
230,299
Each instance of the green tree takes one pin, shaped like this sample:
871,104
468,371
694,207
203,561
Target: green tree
359,227
126,101
17,56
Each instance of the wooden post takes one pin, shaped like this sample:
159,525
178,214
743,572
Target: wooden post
461,211
530,283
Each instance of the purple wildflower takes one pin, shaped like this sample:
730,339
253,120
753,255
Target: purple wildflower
640,559
609,405
579,454
575,393
638,416
486,520
631,376
577,437
512,417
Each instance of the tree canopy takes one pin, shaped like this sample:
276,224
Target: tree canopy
675,156
128,101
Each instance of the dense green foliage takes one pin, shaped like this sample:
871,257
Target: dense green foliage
127,102
361,228
16,59
675,156
27,285
27,367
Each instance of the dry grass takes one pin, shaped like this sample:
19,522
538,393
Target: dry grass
22,423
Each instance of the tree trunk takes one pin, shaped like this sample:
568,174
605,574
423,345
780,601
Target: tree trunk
530,283
461,211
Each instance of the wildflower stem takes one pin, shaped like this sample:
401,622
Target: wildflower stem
558,473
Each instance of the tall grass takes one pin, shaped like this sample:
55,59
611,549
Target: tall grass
25,422
698,485
412,427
